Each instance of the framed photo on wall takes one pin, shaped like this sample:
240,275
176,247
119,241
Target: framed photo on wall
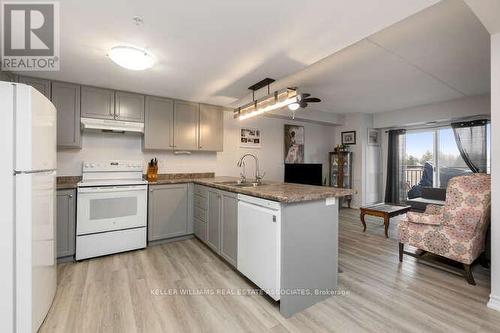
294,144
348,138
373,137
250,138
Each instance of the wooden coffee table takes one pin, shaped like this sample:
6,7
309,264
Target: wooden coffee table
386,211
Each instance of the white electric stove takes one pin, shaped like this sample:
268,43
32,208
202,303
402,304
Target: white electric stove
111,208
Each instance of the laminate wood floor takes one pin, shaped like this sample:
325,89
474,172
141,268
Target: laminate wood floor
128,292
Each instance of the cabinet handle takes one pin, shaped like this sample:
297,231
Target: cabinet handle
71,195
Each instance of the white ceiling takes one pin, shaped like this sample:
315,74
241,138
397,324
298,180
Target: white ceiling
487,11
438,54
212,50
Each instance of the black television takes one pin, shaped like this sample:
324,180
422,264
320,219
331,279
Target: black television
304,173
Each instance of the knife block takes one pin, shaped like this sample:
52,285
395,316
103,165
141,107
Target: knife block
152,174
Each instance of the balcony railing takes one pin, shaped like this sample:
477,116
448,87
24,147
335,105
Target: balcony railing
413,174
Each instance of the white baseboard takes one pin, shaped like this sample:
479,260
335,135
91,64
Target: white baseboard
494,302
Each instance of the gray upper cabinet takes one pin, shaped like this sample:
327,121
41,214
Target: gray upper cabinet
214,213
66,98
66,223
168,124
229,227
41,85
186,118
168,211
129,107
97,103
8,76
211,129
159,124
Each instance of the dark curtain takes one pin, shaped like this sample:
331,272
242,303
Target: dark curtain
471,142
395,188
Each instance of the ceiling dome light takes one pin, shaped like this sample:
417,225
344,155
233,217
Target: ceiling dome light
294,106
131,57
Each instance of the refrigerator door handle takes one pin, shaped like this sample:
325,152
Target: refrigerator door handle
33,171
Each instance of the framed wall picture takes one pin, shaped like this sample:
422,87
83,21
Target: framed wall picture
373,137
294,144
250,138
348,138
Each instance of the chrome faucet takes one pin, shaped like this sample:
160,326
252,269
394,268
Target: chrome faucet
243,177
258,175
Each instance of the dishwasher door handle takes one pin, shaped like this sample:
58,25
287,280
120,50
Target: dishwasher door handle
259,207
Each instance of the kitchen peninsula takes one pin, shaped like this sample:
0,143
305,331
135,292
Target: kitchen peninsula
281,236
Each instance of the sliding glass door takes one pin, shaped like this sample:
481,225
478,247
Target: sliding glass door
432,157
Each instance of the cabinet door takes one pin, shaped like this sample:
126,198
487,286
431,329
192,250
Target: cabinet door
200,230
41,85
159,123
66,222
129,107
186,119
168,211
66,98
211,129
214,212
98,103
229,228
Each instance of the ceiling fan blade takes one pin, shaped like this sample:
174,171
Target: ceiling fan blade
302,104
312,100
303,96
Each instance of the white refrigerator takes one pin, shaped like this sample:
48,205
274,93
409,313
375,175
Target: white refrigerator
27,204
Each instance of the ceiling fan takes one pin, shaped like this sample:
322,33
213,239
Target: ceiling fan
302,101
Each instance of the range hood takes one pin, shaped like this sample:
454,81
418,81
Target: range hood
106,125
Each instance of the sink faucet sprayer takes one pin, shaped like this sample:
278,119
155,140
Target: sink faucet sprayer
258,175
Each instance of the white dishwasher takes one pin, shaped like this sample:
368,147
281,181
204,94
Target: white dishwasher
259,242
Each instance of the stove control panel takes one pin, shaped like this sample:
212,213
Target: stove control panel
113,166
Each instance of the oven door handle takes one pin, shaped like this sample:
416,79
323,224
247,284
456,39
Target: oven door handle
110,189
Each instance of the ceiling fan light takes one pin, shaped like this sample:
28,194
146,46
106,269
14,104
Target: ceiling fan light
132,58
294,106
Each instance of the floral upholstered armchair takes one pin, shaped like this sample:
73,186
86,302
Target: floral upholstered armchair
456,230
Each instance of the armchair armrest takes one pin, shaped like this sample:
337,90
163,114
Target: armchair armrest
433,209
423,218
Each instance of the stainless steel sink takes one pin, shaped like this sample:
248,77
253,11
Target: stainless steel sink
238,184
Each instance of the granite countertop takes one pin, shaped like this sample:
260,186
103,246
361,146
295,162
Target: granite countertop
180,178
271,190
67,182
277,191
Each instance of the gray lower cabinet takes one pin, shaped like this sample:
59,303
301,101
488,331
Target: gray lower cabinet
41,85
97,103
129,107
216,221
186,119
211,129
66,99
200,229
229,227
168,211
158,124
214,215
200,209
66,223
